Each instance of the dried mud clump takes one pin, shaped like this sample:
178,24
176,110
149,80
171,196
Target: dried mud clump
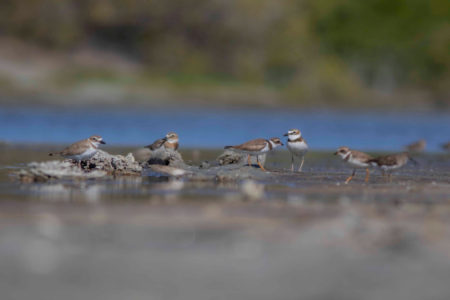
114,164
55,169
166,157
102,164
229,157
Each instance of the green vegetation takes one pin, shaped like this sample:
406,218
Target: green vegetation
305,50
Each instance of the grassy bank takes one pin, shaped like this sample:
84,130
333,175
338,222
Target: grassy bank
303,53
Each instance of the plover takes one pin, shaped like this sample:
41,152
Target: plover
418,146
81,150
389,163
356,159
297,146
170,141
256,147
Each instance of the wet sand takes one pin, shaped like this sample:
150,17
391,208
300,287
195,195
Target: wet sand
286,236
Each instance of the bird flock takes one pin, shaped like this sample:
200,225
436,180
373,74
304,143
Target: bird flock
296,144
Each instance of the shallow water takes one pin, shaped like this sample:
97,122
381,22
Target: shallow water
307,236
209,128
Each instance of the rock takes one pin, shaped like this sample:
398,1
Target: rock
142,154
100,165
205,165
55,169
114,164
229,157
167,157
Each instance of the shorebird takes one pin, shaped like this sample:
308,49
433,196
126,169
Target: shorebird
389,163
356,159
82,150
418,146
256,147
170,141
297,146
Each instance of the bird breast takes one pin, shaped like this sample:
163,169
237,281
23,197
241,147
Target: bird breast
297,147
357,163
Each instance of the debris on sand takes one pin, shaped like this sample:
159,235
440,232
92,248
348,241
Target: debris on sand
166,157
229,157
100,165
228,167
114,164
55,169
142,154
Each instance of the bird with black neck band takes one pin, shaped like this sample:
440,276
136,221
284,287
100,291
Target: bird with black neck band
297,146
356,159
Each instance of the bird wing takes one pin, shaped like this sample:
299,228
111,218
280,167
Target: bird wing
387,160
364,157
75,149
156,144
253,145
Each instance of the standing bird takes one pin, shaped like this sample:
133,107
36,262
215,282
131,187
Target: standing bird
256,147
356,159
82,150
418,146
297,146
170,141
389,163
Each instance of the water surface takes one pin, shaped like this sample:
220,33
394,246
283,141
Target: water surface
214,128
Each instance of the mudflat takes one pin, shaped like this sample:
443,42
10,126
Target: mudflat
274,235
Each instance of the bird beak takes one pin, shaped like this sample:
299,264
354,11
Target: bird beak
102,142
281,144
286,134
335,153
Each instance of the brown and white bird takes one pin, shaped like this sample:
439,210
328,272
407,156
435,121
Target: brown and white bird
297,146
418,146
81,150
256,147
389,163
170,141
356,159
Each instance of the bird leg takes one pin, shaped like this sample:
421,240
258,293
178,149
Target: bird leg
259,164
292,163
249,161
301,164
350,177
367,175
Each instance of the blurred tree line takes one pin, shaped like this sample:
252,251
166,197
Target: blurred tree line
305,48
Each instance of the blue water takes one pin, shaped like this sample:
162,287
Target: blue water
216,128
